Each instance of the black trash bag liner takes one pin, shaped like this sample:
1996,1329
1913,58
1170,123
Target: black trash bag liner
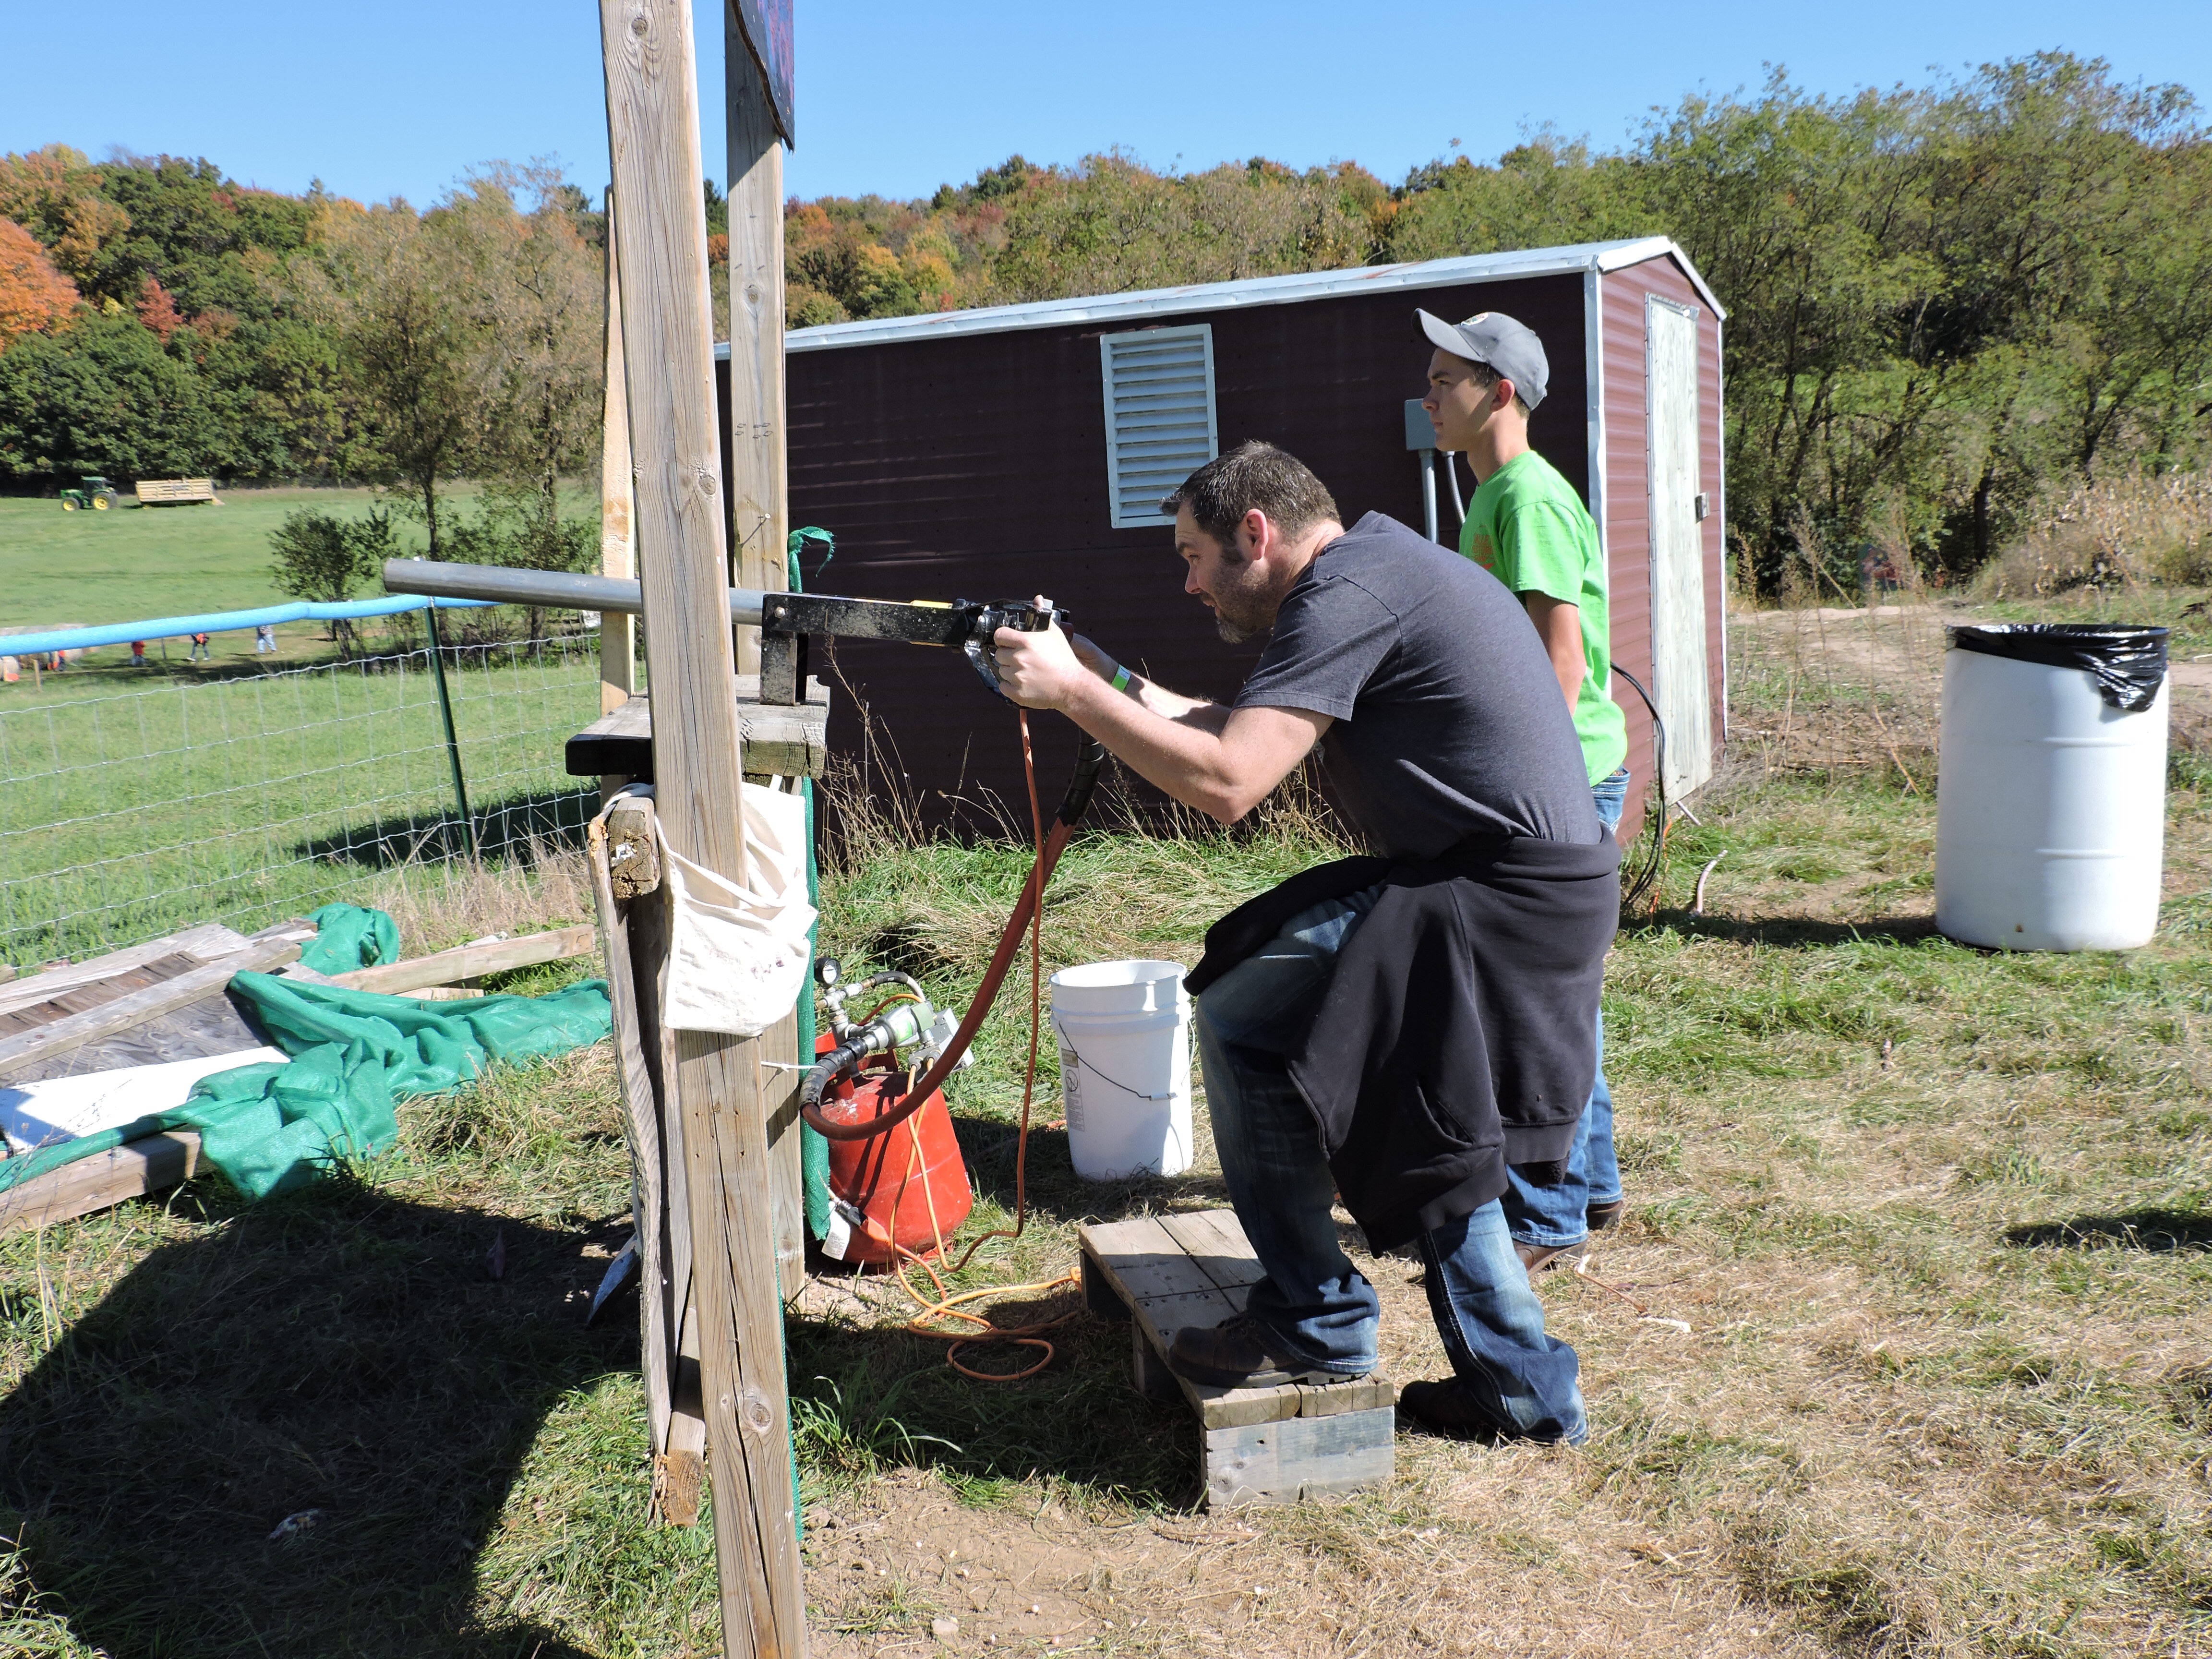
2129,662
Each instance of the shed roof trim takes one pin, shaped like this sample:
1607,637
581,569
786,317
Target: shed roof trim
1257,291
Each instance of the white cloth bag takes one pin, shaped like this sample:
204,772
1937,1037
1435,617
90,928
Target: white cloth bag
737,956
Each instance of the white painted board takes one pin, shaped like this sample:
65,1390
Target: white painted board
34,1115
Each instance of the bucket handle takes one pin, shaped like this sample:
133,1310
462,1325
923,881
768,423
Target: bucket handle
1101,1076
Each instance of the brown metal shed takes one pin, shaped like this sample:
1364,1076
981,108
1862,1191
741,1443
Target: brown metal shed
1018,449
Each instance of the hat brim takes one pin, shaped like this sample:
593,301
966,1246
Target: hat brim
1444,336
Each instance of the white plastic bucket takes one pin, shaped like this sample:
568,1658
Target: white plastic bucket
1124,1031
2051,808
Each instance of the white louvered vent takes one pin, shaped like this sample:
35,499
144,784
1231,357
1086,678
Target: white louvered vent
1159,417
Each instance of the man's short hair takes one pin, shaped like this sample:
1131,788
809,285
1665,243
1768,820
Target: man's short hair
1254,474
1485,377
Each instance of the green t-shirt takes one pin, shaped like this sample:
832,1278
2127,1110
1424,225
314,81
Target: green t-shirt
1528,527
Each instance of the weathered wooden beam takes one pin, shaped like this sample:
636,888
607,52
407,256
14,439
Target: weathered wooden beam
641,1117
152,1164
775,740
758,492
206,943
660,238
617,549
633,850
73,1031
471,961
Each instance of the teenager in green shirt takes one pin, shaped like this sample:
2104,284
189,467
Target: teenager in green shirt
1528,527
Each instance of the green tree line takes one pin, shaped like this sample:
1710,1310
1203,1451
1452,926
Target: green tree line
158,318
1949,304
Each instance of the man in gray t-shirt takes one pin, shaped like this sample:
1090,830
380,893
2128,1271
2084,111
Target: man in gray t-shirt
1439,719
1424,664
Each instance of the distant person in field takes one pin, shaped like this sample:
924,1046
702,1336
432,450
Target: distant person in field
265,639
201,650
138,654
1528,527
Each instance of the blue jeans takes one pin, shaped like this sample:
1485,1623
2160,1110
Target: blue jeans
1547,1217
1314,1302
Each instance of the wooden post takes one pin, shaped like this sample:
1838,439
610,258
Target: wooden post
759,515
759,519
661,239
617,549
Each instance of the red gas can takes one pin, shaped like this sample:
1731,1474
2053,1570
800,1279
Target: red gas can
894,1179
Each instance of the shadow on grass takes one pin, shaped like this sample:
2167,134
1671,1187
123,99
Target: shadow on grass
866,1397
504,829
2156,1232
335,1351
1799,933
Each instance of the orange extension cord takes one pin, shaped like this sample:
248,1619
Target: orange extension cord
977,1328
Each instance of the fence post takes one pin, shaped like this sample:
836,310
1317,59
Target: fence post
683,536
758,496
453,742
618,554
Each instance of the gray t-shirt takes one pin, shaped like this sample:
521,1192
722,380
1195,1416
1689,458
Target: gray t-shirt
1448,720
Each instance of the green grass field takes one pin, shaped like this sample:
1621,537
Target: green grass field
249,787
59,568
133,810
131,563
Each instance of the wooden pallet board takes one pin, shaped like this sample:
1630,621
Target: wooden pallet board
1270,1445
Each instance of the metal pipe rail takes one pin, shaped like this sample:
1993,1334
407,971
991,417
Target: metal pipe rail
503,585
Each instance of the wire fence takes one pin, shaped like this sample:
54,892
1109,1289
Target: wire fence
250,797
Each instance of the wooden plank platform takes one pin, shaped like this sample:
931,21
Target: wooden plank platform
1277,1445
777,741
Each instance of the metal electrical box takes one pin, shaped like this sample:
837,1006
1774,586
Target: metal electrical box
1420,431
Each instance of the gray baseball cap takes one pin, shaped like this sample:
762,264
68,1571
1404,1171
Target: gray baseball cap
1491,336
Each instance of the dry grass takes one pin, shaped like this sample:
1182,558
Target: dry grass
442,904
2116,533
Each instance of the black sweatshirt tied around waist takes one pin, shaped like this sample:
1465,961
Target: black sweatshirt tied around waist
1456,1034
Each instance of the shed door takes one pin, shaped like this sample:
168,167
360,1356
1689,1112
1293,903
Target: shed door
1681,687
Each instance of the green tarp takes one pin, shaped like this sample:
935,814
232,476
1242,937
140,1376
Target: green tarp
348,936
353,1054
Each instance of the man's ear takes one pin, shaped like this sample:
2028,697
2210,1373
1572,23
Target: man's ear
1502,395
1257,530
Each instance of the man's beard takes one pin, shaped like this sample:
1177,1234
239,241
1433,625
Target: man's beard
1237,634
1242,616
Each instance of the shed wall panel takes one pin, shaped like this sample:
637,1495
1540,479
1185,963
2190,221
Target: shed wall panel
974,467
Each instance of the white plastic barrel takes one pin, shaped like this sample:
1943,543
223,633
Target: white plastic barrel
1124,1031
2051,808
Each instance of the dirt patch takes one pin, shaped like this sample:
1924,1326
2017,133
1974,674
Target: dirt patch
1470,1551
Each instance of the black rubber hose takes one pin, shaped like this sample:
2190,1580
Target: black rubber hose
1089,760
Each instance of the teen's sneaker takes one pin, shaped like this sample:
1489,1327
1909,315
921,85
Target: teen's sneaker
1241,1353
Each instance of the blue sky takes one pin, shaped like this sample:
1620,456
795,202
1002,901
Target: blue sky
401,97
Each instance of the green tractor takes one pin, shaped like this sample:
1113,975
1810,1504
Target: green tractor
98,495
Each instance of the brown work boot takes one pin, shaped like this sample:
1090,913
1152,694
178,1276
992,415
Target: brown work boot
1601,1216
1240,1353
1542,1258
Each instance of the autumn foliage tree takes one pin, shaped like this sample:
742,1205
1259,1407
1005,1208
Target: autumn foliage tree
34,295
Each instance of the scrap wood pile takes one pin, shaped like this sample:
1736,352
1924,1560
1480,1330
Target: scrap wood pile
270,1057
